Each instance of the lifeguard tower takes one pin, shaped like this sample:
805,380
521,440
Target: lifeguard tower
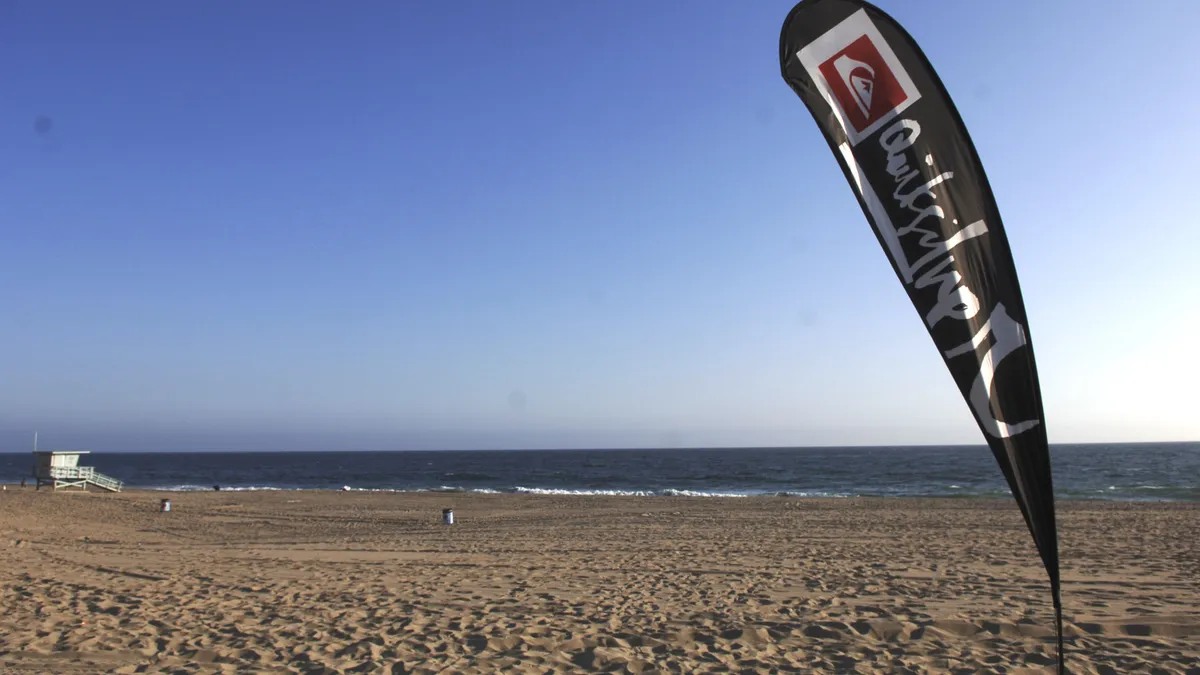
60,469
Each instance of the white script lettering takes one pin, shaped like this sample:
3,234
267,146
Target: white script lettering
1009,336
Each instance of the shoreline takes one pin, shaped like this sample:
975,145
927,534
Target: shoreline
606,495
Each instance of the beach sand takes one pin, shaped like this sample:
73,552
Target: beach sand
345,582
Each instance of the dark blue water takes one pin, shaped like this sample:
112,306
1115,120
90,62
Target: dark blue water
1152,471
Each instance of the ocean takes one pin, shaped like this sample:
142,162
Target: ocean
1121,472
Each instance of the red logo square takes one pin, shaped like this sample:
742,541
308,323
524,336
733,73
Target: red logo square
863,83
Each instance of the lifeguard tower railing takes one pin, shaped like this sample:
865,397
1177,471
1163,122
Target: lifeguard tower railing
82,476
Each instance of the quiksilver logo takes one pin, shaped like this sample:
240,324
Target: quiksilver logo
859,75
859,79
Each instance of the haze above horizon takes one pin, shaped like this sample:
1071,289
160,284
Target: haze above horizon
581,225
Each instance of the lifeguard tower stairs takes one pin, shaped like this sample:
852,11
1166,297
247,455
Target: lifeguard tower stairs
60,469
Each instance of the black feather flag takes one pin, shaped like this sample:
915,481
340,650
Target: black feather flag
907,155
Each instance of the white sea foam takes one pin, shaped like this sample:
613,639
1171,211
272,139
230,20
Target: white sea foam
347,488
699,493
605,493
666,492
626,493
209,488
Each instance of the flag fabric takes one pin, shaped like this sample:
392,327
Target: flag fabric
908,158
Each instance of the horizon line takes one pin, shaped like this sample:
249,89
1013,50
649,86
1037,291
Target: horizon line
604,449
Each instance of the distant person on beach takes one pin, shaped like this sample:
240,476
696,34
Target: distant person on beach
216,488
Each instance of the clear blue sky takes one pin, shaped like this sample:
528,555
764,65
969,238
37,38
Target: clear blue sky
427,225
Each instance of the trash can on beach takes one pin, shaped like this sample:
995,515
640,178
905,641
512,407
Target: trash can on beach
165,505
447,516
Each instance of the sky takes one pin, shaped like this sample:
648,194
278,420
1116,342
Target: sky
299,225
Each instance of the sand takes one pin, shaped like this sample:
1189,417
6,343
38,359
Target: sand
337,582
